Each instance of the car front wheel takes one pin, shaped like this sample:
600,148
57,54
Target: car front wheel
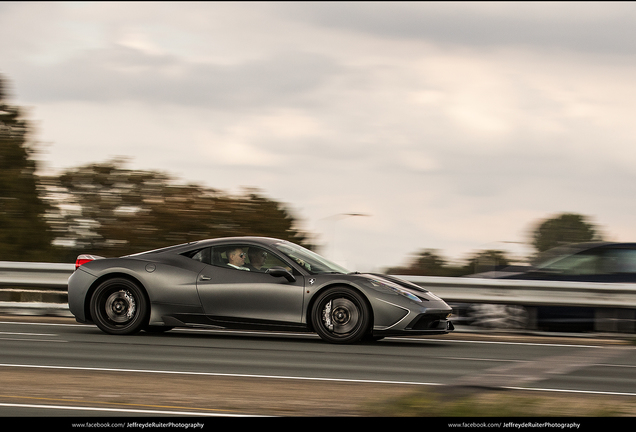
119,306
341,315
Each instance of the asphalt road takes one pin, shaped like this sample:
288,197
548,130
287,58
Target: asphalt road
56,367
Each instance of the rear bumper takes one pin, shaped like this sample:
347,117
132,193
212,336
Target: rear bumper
78,285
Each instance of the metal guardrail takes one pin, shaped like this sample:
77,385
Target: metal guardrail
54,277
529,293
28,288
38,275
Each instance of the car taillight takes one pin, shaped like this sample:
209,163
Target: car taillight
83,259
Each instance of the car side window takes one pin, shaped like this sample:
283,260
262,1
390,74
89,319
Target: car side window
242,257
219,256
202,255
260,260
620,261
578,264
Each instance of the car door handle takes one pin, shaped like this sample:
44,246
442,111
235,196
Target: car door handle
205,278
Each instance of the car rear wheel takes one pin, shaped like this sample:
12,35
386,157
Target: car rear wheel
119,306
341,315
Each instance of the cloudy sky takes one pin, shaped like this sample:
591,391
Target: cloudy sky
453,126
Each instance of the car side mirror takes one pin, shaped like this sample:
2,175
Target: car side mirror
281,272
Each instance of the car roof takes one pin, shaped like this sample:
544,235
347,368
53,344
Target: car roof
176,249
593,245
575,248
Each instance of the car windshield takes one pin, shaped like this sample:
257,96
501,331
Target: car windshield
310,261
550,258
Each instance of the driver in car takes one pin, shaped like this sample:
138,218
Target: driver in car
257,259
236,258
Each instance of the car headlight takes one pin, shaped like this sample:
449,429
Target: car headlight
410,296
396,289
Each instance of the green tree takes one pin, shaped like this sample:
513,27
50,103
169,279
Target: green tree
108,210
427,262
24,234
563,229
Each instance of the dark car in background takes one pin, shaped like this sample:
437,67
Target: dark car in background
583,262
597,262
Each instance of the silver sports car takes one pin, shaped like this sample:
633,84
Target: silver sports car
249,282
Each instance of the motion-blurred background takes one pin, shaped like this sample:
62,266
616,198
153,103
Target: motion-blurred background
417,138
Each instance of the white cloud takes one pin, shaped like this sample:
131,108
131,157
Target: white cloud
452,125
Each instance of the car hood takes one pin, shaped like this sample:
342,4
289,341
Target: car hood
392,280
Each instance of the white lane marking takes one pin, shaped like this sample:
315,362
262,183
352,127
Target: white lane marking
411,339
301,378
485,359
27,334
264,333
121,410
78,368
9,338
504,343
615,365
490,360
43,324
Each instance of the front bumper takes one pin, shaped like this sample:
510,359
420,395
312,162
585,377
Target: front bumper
430,321
422,324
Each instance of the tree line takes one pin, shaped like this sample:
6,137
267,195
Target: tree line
107,209
559,230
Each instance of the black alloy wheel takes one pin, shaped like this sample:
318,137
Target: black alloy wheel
119,306
341,315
